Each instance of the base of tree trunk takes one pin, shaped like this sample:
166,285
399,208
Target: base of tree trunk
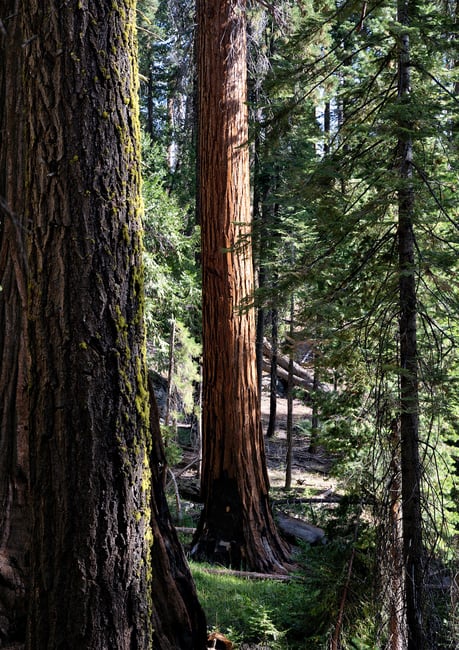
12,605
240,538
234,556
178,619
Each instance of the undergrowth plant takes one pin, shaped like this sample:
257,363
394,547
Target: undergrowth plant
333,584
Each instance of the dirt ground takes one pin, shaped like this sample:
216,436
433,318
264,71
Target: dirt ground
311,477
308,470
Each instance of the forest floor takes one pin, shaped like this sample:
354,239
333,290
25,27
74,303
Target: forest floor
313,487
309,470
312,494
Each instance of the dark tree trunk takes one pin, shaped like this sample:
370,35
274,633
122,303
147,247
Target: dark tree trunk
259,221
93,584
290,386
14,466
315,408
273,374
88,399
259,193
170,374
327,130
409,395
394,579
236,527
174,595
455,117
150,105
259,341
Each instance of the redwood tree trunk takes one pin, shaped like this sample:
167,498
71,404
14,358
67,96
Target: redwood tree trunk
14,511
236,527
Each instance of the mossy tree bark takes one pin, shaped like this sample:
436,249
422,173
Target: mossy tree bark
88,398
14,512
236,527
93,584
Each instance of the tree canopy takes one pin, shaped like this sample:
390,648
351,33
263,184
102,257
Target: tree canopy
299,167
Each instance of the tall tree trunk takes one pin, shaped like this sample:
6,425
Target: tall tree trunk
92,583
236,526
315,407
327,129
14,466
394,579
258,220
88,398
290,386
150,104
409,396
454,117
260,335
170,373
273,374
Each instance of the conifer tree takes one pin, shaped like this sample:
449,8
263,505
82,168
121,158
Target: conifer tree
236,526
361,205
71,85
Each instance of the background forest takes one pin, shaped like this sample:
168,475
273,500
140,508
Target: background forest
353,117
230,405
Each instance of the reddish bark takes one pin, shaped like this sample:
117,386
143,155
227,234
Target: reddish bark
236,527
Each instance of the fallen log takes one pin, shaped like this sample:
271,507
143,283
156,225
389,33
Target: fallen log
329,498
186,530
283,362
283,375
250,575
302,377
298,529
190,490
294,529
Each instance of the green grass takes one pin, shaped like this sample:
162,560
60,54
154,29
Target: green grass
300,614
267,612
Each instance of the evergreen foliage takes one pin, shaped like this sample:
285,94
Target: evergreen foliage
172,283
326,119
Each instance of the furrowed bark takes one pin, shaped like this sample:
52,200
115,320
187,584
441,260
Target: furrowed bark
236,527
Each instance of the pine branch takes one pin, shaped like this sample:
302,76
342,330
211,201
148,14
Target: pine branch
433,194
451,94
